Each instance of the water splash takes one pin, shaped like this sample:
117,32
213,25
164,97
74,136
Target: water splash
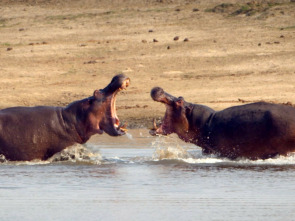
73,154
2,159
170,148
280,160
77,154
165,148
130,137
211,159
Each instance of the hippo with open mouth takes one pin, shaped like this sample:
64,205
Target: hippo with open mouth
254,131
28,133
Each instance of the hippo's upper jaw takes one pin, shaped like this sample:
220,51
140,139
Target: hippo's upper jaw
111,123
120,127
159,95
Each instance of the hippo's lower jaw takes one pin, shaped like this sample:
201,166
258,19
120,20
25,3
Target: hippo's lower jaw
157,130
157,133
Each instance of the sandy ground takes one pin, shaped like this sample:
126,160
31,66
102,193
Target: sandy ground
53,52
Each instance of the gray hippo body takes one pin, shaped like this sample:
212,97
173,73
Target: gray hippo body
28,133
254,131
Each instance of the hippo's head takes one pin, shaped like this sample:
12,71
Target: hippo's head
97,114
106,99
176,116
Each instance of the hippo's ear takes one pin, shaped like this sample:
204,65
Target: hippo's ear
97,94
179,102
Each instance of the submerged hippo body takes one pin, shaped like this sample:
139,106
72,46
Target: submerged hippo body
254,131
28,133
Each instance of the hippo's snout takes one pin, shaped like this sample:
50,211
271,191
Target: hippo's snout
157,93
119,82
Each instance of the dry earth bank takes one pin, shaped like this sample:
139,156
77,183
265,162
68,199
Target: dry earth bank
213,52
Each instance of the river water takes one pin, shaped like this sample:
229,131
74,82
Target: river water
138,177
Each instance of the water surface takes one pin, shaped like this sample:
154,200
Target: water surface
137,177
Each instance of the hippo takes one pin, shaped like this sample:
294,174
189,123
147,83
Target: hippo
29,133
251,131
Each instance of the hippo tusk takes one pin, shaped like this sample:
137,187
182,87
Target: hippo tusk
155,127
122,127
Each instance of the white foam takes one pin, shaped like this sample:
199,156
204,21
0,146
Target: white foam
281,160
203,160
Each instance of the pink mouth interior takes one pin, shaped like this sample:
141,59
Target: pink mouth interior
113,104
114,112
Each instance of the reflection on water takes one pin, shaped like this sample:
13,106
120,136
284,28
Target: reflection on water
137,177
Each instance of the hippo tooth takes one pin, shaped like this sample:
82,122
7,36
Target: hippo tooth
155,127
122,127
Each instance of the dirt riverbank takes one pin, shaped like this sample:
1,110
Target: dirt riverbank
214,52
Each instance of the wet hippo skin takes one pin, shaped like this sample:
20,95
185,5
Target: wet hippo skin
254,131
28,133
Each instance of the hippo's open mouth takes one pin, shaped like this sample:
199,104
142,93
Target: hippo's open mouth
120,127
159,95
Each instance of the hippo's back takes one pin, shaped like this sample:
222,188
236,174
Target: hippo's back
28,133
258,129
25,119
256,112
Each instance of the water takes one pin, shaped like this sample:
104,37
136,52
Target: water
137,177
